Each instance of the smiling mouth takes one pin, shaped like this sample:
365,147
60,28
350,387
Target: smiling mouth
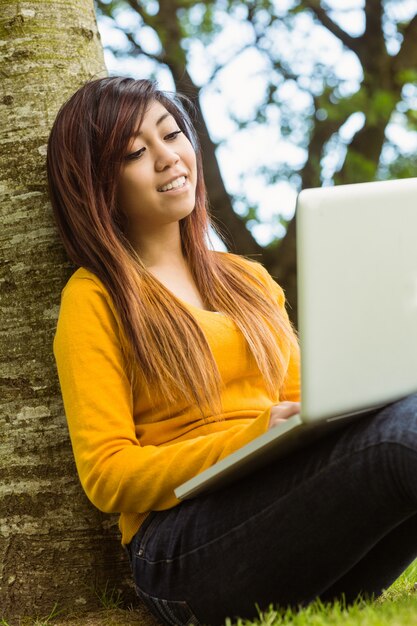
175,184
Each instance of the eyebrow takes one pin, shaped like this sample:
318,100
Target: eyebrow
158,121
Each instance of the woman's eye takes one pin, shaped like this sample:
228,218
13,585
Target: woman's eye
173,135
135,155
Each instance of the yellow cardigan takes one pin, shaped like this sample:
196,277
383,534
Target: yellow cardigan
129,454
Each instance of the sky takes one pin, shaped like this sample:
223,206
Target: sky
238,87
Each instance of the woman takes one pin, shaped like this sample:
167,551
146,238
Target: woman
171,356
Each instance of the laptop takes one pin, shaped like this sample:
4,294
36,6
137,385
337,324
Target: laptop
357,303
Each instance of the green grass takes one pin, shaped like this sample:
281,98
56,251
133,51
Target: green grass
109,598
49,620
396,607
388,614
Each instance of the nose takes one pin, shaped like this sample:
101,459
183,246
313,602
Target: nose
165,157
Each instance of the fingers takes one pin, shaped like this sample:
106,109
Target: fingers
282,411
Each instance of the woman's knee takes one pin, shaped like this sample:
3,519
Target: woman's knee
401,419
406,407
396,423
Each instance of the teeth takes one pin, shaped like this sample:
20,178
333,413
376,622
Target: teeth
178,182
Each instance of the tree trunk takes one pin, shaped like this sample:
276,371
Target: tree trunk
54,546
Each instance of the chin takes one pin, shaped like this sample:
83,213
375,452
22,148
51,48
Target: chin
188,210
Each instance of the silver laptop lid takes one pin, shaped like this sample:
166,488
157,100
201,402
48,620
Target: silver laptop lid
357,295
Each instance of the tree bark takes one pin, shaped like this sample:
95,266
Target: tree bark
54,546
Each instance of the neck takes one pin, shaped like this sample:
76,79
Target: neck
162,249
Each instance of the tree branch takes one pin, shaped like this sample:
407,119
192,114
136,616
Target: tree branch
149,20
374,40
137,48
353,43
373,18
221,66
407,56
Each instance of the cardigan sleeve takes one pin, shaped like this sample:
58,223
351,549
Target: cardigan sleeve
117,473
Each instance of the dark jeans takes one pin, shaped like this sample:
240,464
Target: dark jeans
338,517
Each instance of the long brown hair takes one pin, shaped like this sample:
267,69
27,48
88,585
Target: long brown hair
160,336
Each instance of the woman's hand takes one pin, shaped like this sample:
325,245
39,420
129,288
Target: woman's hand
282,411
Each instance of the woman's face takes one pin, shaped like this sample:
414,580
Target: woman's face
158,178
